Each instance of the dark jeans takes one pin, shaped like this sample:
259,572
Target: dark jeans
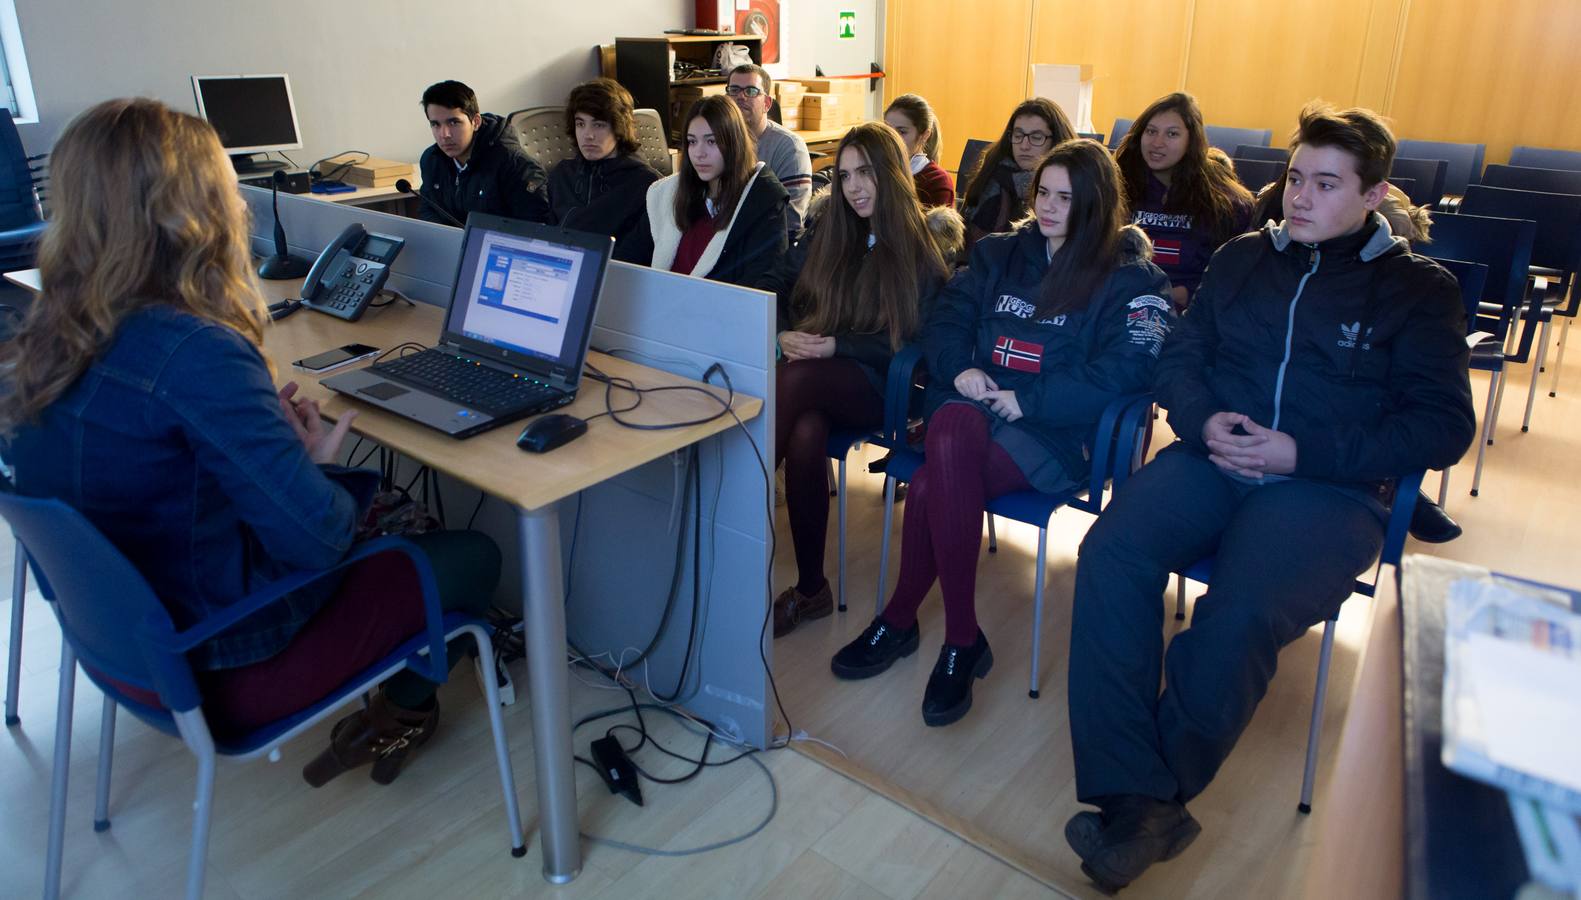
1287,555
376,608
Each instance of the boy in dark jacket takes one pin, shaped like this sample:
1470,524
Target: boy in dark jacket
477,163
1319,361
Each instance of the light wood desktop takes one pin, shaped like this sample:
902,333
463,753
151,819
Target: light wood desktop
532,483
363,196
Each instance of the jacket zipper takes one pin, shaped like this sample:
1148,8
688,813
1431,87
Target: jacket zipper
1290,330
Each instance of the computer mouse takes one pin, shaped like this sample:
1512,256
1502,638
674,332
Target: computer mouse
548,432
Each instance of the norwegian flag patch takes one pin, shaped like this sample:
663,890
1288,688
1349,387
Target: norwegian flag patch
1020,356
1166,251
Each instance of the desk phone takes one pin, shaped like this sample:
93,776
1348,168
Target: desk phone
350,272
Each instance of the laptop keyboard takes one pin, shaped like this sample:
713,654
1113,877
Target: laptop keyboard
471,384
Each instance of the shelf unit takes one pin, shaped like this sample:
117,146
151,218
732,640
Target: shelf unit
642,65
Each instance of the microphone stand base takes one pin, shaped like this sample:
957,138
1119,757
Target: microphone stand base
279,268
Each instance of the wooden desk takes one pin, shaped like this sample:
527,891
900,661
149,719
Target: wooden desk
363,196
533,483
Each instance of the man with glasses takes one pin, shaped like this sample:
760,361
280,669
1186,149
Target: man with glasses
779,148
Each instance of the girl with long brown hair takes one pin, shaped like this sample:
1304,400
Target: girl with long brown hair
1187,205
996,190
722,216
858,282
137,393
1047,326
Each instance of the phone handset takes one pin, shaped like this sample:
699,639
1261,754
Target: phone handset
350,272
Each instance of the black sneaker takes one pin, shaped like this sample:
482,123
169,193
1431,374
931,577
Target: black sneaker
1430,524
1136,832
873,652
949,693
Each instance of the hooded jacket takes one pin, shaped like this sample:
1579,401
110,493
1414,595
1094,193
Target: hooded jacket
1354,347
1064,369
500,178
603,196
748,252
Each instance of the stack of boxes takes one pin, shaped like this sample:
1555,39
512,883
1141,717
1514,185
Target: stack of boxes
789,94
832,103
371,172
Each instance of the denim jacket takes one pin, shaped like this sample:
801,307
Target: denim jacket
172,443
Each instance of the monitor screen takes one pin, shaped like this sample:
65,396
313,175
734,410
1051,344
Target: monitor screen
251,113
526,295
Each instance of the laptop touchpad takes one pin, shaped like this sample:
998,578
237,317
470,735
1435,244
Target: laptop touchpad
383,390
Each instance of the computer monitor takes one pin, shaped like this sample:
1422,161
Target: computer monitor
252,113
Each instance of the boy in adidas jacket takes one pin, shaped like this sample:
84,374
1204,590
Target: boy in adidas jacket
1319,361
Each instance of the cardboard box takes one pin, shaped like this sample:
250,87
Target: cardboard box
821,104
857,86
789,94
371,172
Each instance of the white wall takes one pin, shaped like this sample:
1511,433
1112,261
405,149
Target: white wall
357,69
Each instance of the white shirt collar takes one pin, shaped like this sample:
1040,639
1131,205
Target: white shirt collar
919,162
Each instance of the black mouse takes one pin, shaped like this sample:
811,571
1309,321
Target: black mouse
549,432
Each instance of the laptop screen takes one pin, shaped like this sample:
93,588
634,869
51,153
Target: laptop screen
525,293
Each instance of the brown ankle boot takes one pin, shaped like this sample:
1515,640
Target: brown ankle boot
383,734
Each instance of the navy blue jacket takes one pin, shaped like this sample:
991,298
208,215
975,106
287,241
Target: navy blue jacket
1064,369
500,178
173,445
1355,347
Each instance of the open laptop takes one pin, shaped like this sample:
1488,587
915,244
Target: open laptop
514,339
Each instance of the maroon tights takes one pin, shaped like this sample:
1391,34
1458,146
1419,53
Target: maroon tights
811,397
944,519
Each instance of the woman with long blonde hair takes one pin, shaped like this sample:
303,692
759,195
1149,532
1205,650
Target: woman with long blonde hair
136,392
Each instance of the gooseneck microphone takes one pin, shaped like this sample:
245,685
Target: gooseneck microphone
282,265
405,187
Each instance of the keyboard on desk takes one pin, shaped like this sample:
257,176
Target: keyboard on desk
472,384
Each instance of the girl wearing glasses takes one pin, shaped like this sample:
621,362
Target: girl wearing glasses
1025,348
1185,203
997,188
722,216
913,119
860,279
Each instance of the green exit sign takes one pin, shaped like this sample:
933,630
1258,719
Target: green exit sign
847,24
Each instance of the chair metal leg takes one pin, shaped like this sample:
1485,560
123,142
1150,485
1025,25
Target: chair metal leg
840,576
829,477
13,676
993,541
1495,391
1180,598
1443,488
502,754
1559,361
1316,731
1037,608
883,552
195,732
1498,404
1531,393
101,794
62,767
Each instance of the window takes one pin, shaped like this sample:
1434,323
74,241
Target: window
17,88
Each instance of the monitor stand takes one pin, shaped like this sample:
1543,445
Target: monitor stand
249,163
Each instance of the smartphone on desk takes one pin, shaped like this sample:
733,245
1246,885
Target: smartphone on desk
350,271
334,359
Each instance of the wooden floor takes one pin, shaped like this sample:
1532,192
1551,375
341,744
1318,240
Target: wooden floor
975,809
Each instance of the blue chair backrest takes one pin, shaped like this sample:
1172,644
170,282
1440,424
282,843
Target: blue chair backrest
1429,175
1473,280
1503,245
1227,139
1091,135
970,154
1410,187
1558,218
1552,181
1255,173
1258,151
106,609
1465,160
1546,158
1116,134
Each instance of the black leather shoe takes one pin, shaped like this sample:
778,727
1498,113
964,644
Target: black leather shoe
949,693
1430,524
876,650
1136,833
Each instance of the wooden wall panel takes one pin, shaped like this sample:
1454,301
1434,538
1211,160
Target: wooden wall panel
967,57
1496,73
1137,49
1253,64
